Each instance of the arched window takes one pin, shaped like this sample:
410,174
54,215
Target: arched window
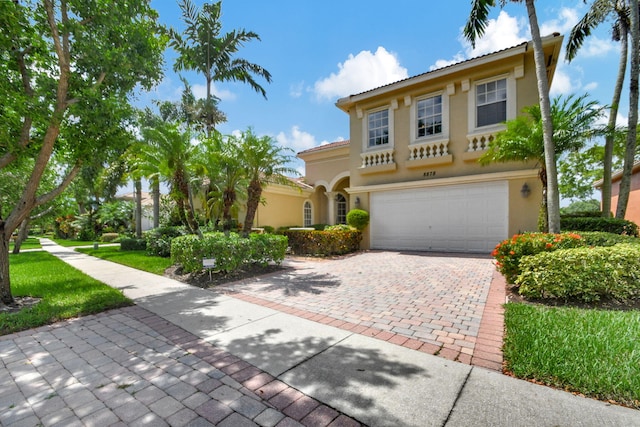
341,209
307,214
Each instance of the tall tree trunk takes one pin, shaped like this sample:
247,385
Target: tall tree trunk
23,233
630,150
553,196
613,114
155,183
138,196
228,199
5,282
254,192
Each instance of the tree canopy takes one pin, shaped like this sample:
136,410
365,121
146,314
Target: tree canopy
66,71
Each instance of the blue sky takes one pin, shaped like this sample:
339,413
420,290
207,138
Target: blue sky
318,52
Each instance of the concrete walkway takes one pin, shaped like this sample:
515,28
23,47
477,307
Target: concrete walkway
147,365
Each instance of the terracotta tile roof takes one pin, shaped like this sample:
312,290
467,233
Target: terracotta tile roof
326,146
434,70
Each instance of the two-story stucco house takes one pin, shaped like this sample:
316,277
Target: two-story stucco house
411,160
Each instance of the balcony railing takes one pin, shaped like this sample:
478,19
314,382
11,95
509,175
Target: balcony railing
377,158
428,150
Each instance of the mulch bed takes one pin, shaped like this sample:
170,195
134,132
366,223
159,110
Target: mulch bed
203,279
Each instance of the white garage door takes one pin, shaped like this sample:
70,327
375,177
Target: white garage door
458,218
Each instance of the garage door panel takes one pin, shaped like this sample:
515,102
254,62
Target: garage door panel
460,218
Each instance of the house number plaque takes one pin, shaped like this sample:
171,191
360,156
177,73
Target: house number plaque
429,174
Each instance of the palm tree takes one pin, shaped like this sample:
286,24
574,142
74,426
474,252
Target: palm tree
600,11
173,151
264,163
474,28
523,140
222,162
203,48
630,148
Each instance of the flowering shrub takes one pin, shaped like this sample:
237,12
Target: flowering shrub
508,252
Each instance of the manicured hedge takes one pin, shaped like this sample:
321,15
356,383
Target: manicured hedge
109,237
337,241
358,218
230,252
586,274
128,244
159,239
610,225
602,238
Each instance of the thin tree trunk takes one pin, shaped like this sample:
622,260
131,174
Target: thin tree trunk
254,192
138,186
553,196
156,202
5,282
629,154
613,114
22,235
228,199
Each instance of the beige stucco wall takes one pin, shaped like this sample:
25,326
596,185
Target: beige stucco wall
283,207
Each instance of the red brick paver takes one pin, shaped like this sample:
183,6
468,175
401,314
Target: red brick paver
447,305
131,367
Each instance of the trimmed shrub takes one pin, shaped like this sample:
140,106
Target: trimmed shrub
159,239
602,238
585,274
336,240
129,244
109,237
610,225
358,219
509,252
230,252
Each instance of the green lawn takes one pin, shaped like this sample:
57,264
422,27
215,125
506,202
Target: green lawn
65,292
30,243
135,259
590,351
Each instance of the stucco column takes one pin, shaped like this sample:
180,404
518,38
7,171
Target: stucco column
331,207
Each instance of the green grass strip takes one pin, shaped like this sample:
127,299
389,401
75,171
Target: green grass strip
136,259
593,352
65,292
70,243
29,243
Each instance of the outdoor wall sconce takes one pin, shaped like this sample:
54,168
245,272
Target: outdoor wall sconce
357,201
525,190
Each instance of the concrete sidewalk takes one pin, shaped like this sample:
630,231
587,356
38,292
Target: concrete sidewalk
373,381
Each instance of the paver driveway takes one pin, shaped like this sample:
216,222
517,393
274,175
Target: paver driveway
431,302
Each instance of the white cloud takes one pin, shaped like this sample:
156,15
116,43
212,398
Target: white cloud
596,47
562,83
501,33
566,21
441,63
296,139
296,89
200,92
360,73
591,86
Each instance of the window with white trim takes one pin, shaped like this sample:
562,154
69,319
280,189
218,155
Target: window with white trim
307,214
378,128
341,209
491,102
429,116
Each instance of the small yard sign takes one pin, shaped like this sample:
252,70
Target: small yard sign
208,263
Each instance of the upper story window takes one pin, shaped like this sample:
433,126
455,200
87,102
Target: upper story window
378,127
429,116
491,102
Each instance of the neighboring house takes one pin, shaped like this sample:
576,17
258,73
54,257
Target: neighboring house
147,207
633,206
411,160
